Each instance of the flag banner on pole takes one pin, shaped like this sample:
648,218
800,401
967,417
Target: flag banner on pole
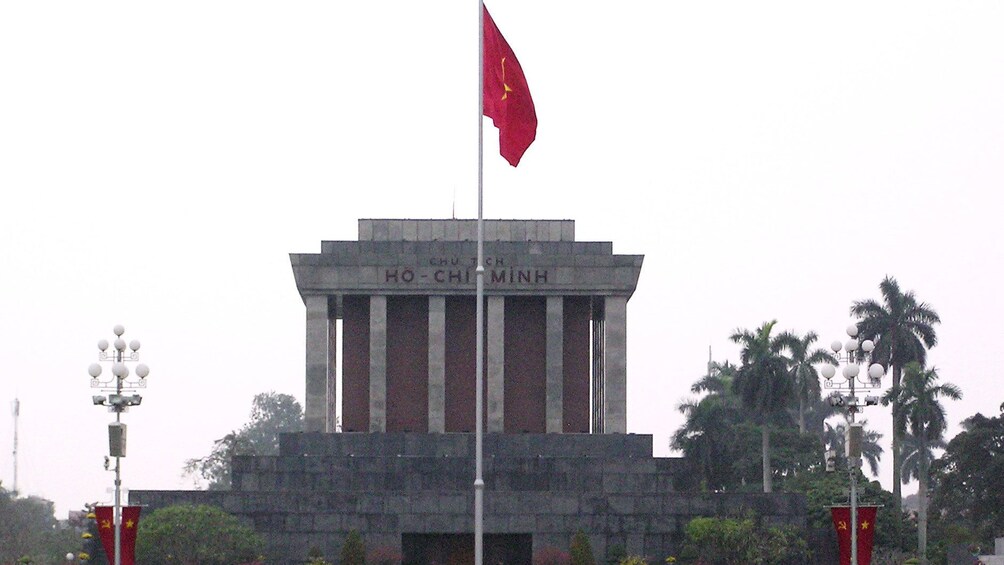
105,516
866,532
506,96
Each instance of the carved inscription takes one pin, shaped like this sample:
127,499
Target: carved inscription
458,270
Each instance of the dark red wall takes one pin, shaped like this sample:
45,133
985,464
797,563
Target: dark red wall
407,363
356,363
575,365
461,322
525,362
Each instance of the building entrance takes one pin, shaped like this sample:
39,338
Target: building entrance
458,549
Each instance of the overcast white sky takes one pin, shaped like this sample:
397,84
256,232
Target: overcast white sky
158,162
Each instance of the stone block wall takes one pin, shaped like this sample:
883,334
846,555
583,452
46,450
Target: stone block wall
322,486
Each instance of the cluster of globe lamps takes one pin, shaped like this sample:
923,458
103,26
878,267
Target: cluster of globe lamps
117,403
850,373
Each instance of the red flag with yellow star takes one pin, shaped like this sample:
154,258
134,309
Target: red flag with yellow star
866,532
506,96
105,515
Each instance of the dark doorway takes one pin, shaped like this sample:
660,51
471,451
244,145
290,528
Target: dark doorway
458,549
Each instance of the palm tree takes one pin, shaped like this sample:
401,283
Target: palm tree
835,438
920,411
903,330
764,383
803,371
912,457
707,436
718,380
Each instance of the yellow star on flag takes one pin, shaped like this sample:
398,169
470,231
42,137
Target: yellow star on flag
505,87
130,523
864,525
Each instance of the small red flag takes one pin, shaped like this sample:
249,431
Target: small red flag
105,515
506,96
866,532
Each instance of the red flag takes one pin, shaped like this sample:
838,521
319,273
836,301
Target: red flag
866,532
105,515
506,97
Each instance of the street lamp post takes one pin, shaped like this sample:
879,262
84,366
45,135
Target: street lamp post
118,403
844,396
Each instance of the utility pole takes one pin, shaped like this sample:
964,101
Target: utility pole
17,414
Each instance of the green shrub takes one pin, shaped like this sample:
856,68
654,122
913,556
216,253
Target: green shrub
316,557
195,534
580,551
353,551
615,553
740,541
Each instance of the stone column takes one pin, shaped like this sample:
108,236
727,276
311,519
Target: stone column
331,407
378,363
596,418
437,364
316,397
495,341
615,365
554,364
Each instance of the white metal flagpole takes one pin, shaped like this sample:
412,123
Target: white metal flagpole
479,483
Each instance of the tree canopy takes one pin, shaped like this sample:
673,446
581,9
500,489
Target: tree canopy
195,535
968,480
28,528
271,414
919,409
902,330
764,383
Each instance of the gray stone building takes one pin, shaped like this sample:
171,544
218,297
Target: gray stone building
401,468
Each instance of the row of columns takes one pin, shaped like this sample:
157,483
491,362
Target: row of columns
609,364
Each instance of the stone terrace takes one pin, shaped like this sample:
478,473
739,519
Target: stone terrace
385,485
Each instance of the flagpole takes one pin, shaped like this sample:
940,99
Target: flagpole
479,483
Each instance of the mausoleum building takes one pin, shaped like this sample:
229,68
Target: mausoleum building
556,326
388,448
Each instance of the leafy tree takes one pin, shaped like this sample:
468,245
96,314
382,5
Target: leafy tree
271,414
91,538
912,457
792,453
735,541
968,480
817,413
580,550
708,435
353,551
719,438
195,535
918,409
29,530
802,362
718,380
903,330
764,383
835,438
823,489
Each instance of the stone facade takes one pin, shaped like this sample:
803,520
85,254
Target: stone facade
556,327
389,486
